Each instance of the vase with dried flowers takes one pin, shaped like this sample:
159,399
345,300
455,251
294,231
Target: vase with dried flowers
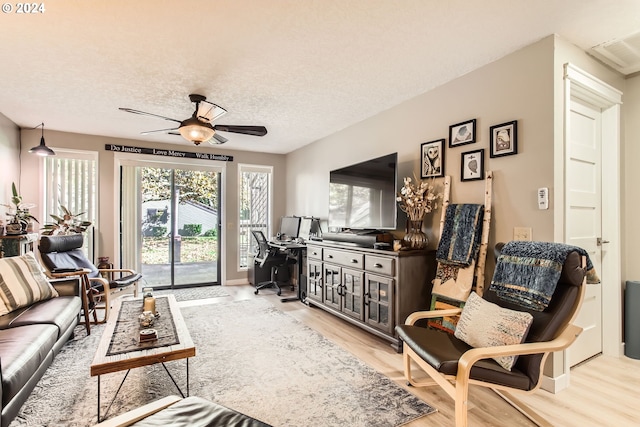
18,214
416,200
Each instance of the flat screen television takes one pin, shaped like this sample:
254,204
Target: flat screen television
363,196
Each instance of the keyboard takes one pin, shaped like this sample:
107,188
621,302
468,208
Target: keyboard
284,243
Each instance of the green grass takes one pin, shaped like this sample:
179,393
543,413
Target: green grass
155,250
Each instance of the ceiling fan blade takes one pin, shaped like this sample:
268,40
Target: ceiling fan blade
208,111
149,132
217,139
144,113
247,130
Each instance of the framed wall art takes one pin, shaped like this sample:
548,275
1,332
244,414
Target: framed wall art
504,139
462,133
432,159
472,165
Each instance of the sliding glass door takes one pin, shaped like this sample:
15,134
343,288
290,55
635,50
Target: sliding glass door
178,224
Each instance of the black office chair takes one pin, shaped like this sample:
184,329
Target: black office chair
278,262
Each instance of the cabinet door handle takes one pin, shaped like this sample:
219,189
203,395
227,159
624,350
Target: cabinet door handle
377,265
354,261
329,256
315,253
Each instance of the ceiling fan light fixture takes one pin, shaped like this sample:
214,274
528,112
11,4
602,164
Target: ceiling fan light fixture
198,127
196,131
42,149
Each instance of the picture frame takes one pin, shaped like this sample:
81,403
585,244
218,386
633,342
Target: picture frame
472,165
432,159
462,133
504,139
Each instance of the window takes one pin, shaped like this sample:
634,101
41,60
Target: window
254,208
71,181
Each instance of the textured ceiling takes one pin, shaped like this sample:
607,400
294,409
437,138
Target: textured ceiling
303,69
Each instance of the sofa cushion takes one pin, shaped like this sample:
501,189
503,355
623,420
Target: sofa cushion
61,312
22,351
485,324
22,282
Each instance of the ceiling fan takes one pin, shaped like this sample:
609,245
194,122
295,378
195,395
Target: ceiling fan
198,127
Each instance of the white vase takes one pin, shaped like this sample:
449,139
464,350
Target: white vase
14,228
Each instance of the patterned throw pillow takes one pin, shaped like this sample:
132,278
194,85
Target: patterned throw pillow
484,324
22,283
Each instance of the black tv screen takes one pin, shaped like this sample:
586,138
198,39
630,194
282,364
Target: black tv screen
363,196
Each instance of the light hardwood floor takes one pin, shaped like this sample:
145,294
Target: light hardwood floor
603,391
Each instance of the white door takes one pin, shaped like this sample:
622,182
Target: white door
584,218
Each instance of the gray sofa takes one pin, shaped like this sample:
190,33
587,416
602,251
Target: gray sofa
30,337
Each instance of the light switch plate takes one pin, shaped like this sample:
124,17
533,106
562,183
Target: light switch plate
522,233
543,198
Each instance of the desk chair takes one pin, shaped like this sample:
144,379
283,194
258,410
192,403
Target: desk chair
63,253
273,259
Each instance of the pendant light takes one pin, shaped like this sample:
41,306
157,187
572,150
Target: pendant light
42,149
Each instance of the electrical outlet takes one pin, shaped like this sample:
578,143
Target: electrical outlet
522,233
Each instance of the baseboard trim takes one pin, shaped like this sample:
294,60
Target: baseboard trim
236,282
555,385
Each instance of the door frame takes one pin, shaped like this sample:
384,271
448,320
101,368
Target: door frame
130,159
580,85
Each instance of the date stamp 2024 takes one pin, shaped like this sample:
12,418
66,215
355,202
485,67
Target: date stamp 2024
23,8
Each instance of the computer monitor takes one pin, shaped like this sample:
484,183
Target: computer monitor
289,227
305,228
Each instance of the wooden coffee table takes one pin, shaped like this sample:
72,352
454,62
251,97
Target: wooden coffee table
104,364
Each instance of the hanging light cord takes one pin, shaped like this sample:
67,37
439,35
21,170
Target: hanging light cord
42,149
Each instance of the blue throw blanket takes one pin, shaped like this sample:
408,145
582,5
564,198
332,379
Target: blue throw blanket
461,234
527,272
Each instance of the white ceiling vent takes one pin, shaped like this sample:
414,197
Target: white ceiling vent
623,55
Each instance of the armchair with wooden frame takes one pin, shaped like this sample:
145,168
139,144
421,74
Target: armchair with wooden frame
454,365
62,255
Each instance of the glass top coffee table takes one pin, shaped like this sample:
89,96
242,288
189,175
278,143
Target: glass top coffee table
118,352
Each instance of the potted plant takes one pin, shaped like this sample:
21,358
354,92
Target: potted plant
18,215
66,223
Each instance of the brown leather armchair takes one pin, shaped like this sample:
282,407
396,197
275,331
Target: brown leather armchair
453,365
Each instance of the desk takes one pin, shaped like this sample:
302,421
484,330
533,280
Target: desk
298,251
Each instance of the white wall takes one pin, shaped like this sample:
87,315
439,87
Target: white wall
10,155
630,181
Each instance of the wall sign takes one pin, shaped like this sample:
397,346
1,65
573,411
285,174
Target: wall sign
167,153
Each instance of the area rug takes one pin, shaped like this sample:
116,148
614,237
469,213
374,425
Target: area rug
201,292
251,357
